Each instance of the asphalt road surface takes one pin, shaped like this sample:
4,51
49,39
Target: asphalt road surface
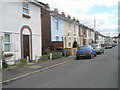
99,72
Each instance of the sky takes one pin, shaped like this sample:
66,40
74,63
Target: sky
105,12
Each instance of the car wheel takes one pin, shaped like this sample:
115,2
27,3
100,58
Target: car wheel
95,55
77,58
100,52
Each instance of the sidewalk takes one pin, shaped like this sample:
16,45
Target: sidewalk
19,72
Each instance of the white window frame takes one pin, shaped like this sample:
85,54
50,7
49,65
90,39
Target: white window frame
57,38
26,8
69,44
57,24
81,31
74,29
7,43
69,26
75,38
69,39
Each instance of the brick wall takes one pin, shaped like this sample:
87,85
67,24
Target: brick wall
56,44
46,29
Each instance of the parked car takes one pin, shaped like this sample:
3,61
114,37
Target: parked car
85,51
107,46
98,48
114,44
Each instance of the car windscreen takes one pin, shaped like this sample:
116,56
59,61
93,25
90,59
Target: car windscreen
94,46
84,47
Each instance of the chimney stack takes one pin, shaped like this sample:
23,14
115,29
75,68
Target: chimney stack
63,14
55,10
73,18
69,16
47,6
78,20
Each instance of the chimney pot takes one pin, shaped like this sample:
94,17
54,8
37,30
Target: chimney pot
74,18
55,10
63,13
78,20
47,6
69,16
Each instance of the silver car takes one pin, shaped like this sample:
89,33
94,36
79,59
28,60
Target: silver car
98,48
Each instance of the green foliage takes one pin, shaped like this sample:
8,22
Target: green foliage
68,52
56,54
23,61
75,44
4,64
44,57
78,45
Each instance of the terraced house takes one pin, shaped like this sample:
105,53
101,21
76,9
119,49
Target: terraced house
61,31
71,32
81,34
52,29
21,29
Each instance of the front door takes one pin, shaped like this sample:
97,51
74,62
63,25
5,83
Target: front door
26,46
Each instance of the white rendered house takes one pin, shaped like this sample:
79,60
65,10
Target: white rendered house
20,28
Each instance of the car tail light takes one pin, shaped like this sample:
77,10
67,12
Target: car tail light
88,51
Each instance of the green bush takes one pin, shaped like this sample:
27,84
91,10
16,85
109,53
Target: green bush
68,52
4,64
56,54
23,61
75,44
44,57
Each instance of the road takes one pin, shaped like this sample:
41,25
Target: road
99,72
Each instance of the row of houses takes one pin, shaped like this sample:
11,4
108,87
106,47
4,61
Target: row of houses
64,30
28,27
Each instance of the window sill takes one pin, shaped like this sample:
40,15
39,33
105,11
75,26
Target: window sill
26,16
8,54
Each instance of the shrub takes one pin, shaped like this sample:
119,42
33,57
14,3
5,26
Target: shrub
44,57
68,52
75,44
4,64
56,54
23,61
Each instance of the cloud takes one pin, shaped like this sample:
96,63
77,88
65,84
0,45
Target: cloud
80,8
82,5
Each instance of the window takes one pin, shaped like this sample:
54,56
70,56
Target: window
57,38
69,44
69,27
81,31
69,39
75,39
84,32
56,24
25,8
74,29
7,43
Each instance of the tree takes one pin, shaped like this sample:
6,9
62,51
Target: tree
75,44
